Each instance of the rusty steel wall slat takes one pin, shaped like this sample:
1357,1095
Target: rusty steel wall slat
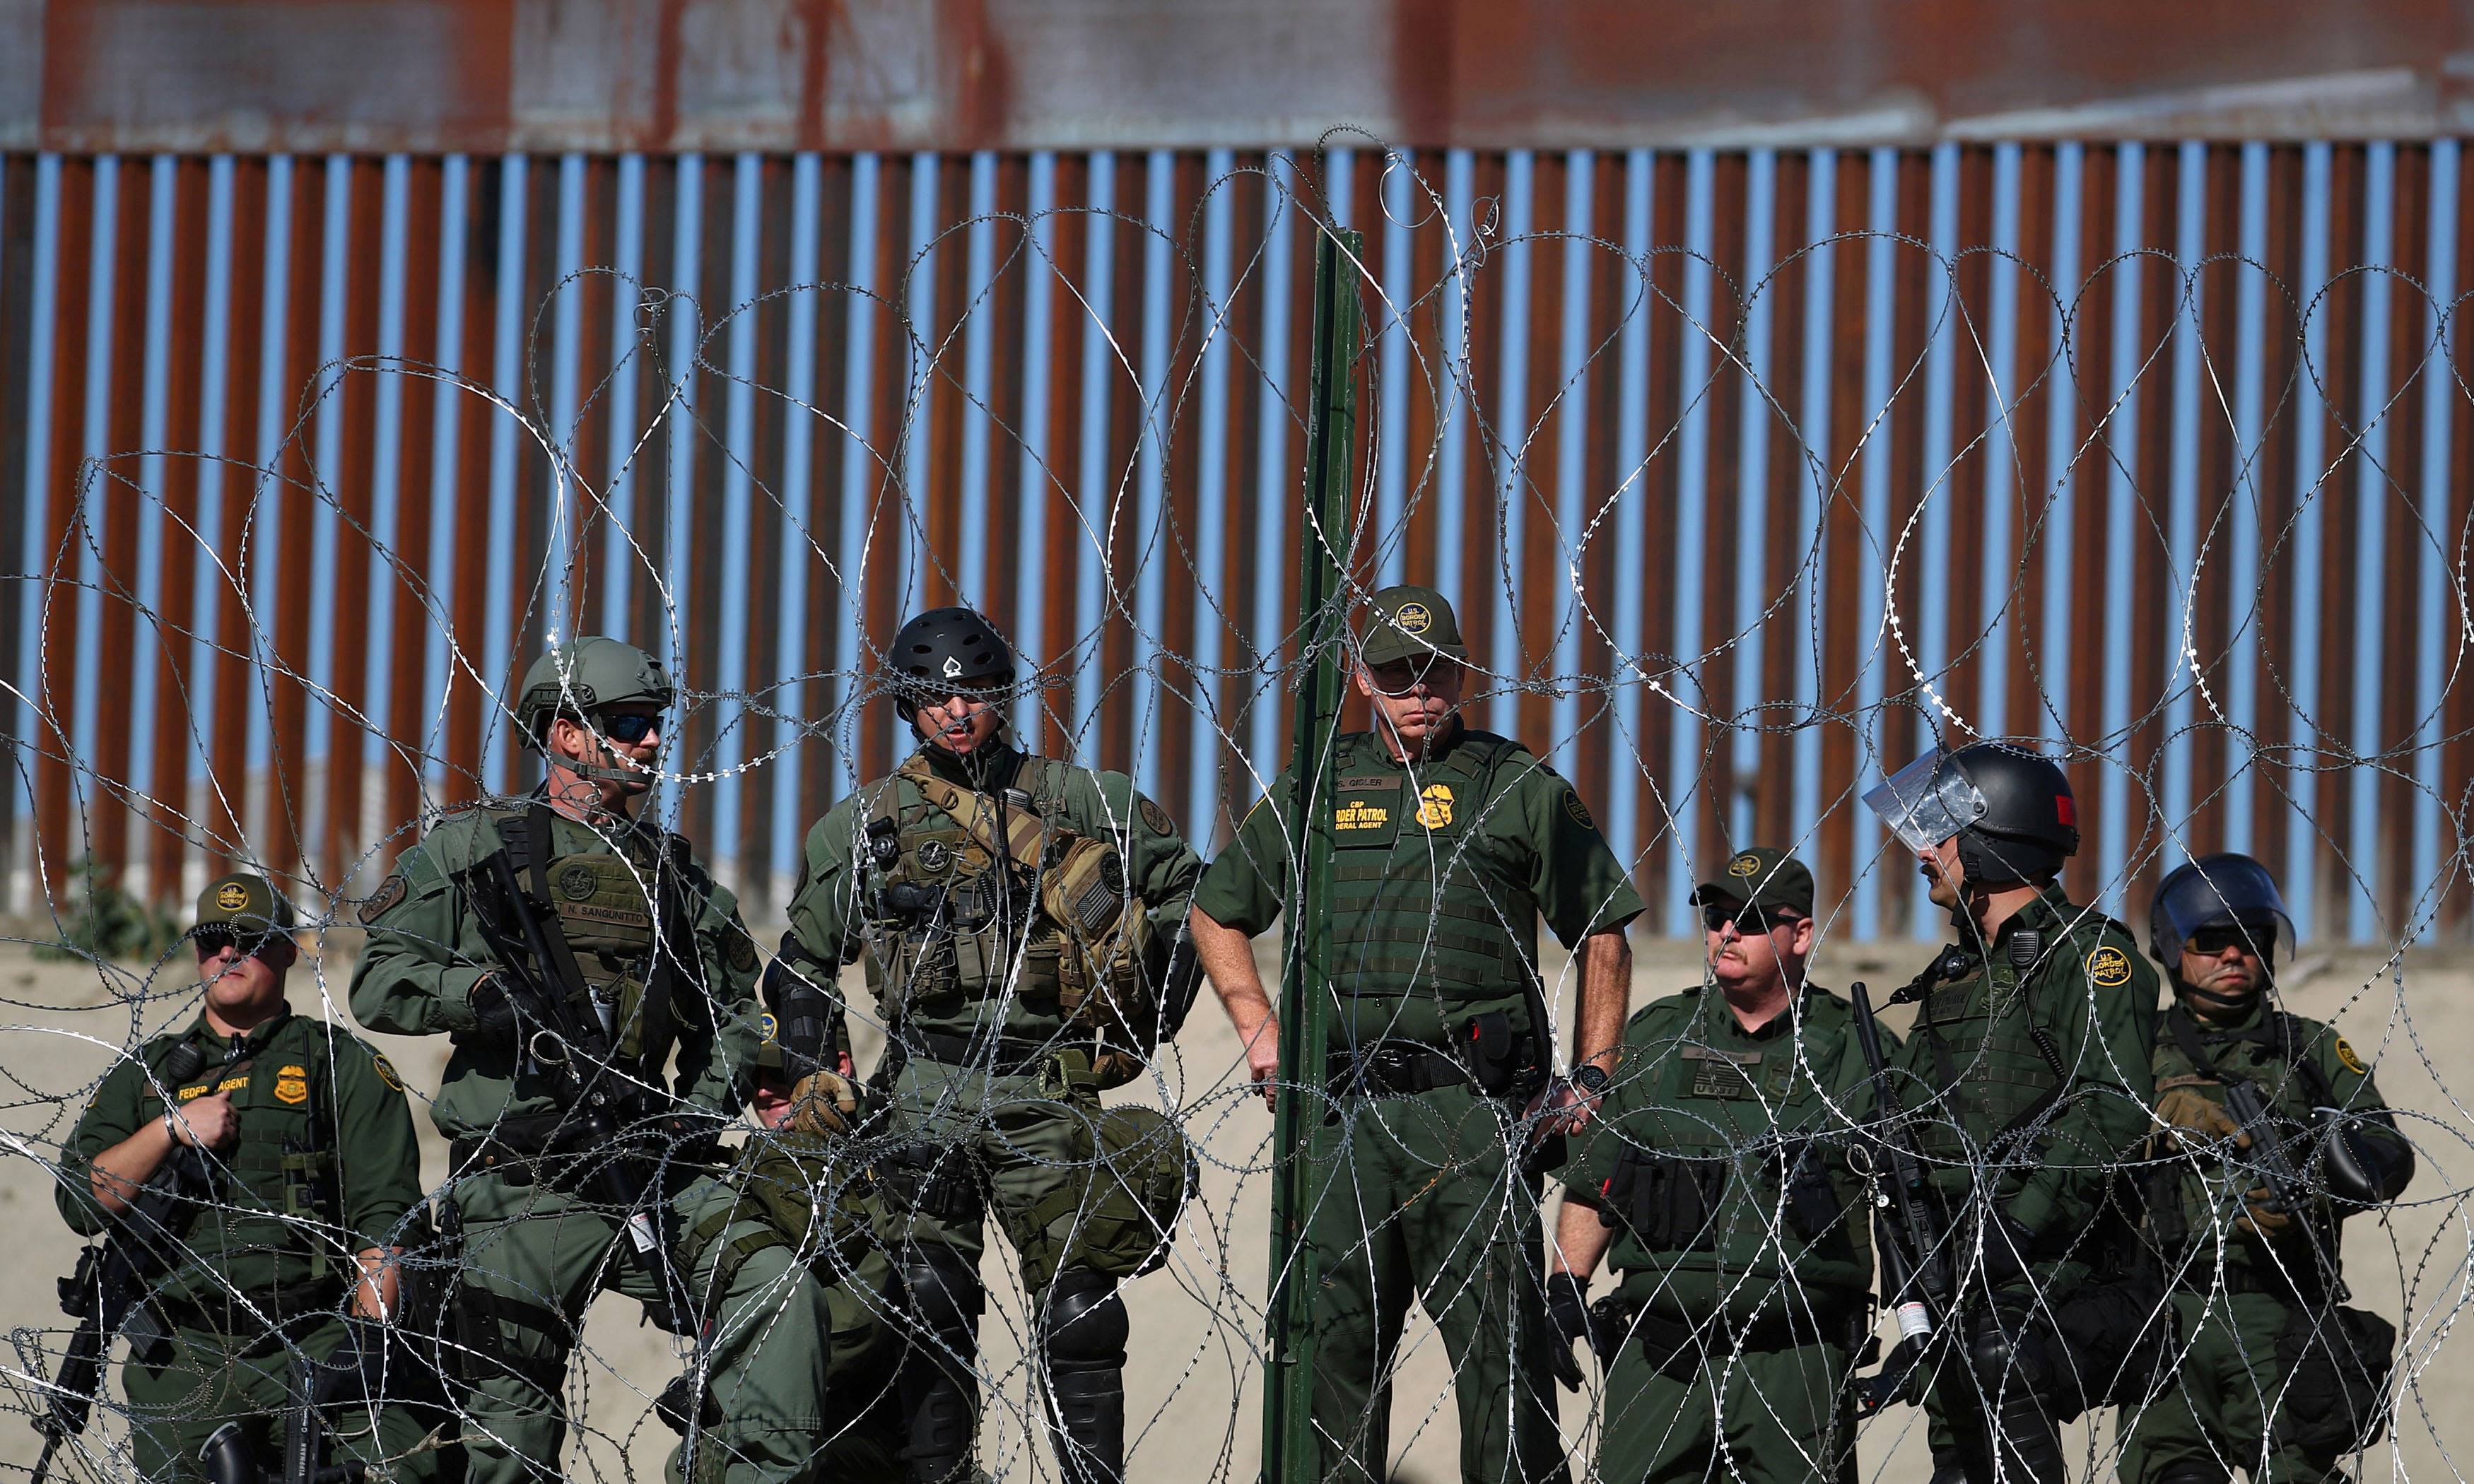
2042,500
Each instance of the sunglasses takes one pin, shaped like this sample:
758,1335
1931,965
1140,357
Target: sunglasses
630,726
211,941
1750,921
1402,677
2217,937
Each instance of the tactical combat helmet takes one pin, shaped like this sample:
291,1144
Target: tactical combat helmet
2010,810
934,653
587,676
2216,891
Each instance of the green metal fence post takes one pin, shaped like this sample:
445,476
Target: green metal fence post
1301,1141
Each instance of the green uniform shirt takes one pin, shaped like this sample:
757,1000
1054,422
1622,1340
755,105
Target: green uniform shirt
2061,1003
1747,1107
829,916
1442,870
293,1081
2325,1073
426,951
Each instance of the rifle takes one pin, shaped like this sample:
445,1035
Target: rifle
617,1180
2288,1193
107,1294
1908,1232
312,1387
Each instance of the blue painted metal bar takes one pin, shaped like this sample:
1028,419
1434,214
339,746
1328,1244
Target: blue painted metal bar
1687,774
2436,593
1753,413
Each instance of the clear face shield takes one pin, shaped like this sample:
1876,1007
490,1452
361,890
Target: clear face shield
1927,802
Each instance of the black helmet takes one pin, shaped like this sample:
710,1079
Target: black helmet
2213,890
2010,810
937,652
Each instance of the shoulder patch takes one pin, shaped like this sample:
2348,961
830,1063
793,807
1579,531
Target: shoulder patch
391,893
386,1071
739,948
2109,965
1154,818
2353,1063
1577,811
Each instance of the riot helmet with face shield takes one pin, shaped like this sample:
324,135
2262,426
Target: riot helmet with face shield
2009,810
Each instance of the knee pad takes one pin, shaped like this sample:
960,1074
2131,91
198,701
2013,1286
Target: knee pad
944,1290
1082,1324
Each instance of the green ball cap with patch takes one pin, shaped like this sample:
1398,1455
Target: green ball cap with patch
1411,623
1759,877
244,903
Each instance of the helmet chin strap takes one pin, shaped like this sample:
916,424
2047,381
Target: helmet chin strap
2209,1002
638,780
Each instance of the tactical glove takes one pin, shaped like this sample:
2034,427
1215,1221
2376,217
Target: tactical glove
823,1103
2197,1123
2009,1248
359,1363
493,1015
1568,1309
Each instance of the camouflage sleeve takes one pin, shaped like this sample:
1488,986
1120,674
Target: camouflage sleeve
412,978
378,1160
1161,866
715,1062
1581,887
1248,885
2097,1000
112,1115
824,910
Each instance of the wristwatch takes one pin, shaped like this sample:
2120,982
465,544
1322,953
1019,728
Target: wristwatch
1590,1078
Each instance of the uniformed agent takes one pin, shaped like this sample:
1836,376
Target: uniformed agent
1018,916
2027,1075
1716,1177
794,1303
2279,1380
1448,845
288,1246
601,991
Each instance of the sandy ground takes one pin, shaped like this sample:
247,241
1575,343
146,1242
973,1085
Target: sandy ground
1194,1387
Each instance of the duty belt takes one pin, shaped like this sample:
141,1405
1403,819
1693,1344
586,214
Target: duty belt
1001,1055
260,1316
1394,1068
534,1148
1678,1348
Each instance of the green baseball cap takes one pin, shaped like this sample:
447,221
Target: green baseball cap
1411,623
244,904
1759,877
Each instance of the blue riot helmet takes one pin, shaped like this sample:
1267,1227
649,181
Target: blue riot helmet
2225,891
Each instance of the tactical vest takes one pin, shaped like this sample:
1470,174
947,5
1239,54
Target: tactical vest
1422,898
1735,1165
974,895
2183,1203
1995,1070
276,1200
627,955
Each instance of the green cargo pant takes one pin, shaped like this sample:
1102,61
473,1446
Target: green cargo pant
1425,1198
541,1254
2216,1419
209,1380
1766,1417
1024,1143
794,1367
